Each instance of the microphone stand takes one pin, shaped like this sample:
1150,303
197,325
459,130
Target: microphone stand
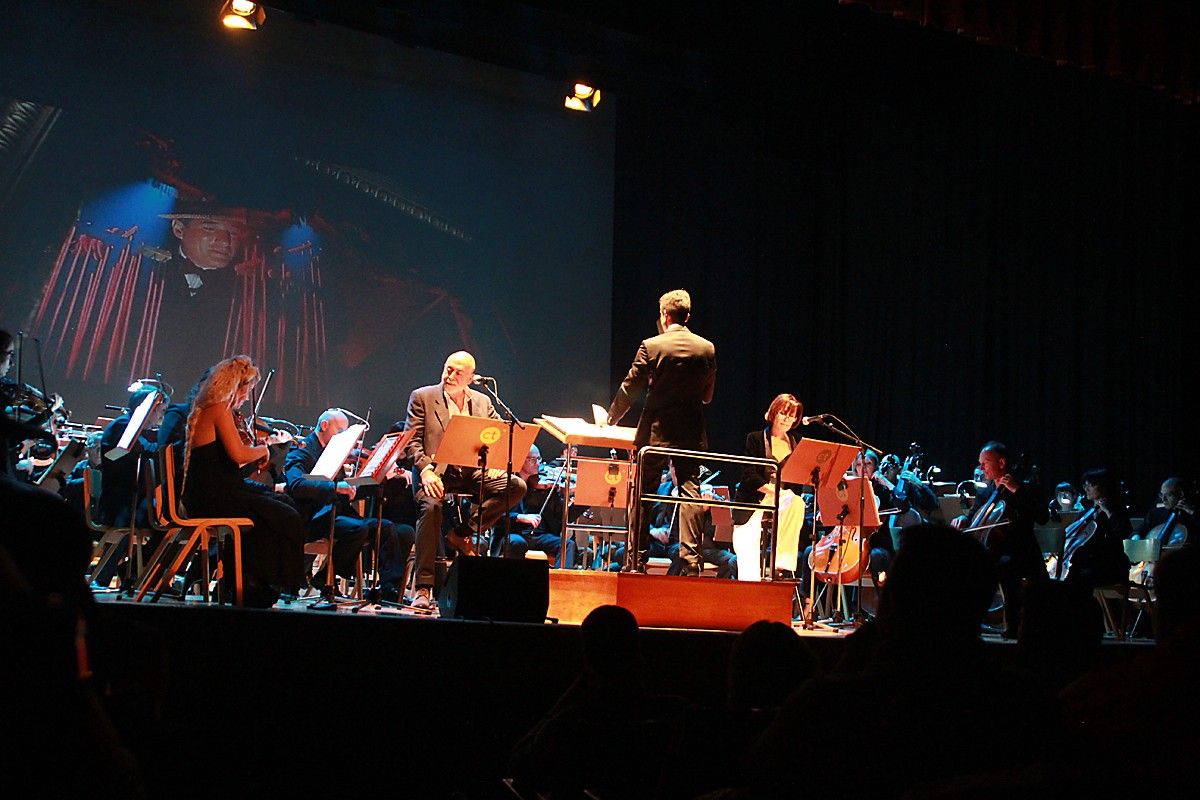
512,422
846,432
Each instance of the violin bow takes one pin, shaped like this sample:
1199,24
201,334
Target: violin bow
257,397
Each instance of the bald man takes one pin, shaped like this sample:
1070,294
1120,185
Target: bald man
316,499
429,412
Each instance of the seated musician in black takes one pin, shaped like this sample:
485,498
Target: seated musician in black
1100,560
119,479
1012,546
880,542
1066,500
535,523
173,431
1173,520
900,490
316,498
664,534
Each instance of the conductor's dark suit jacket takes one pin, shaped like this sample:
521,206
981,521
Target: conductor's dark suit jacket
678,370
428,416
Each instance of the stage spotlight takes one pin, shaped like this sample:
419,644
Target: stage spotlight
585,98
243,14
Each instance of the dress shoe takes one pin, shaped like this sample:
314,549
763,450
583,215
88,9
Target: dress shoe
422,600
461,543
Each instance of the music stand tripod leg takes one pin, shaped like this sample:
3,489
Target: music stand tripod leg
374,595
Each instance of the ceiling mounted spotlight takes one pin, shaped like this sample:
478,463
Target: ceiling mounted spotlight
243,14
585,98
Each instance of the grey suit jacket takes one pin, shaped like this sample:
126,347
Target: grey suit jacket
428,416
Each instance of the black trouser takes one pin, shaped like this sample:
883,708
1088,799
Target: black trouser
691,515
456,481
350,534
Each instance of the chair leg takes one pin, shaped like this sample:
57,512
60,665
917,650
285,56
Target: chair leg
176,564
237,566
1110,625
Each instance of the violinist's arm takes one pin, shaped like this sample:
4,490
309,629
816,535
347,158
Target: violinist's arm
238,450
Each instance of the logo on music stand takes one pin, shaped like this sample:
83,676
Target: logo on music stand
489,436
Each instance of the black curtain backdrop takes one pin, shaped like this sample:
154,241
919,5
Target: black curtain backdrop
938,241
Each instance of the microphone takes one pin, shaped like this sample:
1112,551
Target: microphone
479,379
812,419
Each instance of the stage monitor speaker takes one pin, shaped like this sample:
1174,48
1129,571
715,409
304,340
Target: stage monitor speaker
498,589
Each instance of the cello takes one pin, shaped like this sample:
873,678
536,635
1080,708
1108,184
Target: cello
1172,533
838,557
1076,535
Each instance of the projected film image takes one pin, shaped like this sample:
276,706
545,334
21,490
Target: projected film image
348,249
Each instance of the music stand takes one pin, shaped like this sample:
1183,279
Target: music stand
483,443
328,466
383,457
848,502
601,482
576,432
818,463
54,475
130,442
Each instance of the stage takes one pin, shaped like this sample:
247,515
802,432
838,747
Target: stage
289,699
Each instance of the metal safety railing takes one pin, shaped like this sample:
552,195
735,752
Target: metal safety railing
670,453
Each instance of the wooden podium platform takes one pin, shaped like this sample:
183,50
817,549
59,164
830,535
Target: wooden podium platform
665,601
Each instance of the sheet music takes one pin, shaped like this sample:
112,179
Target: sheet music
137,420
336,452
599,414
383,457
577,427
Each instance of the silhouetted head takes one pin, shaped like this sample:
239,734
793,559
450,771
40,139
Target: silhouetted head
610,640
767,663
941,581
1175,588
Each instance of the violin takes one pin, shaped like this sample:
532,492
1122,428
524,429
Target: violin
255,433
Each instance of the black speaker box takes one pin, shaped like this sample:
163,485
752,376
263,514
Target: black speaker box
500,589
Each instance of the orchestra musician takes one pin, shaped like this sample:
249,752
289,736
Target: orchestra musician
1172,501
20,426
1101,559
118,479
898,487
316,499
429,411
1013,507
1066,500
882,550
678,371
273,551
535,523
664,533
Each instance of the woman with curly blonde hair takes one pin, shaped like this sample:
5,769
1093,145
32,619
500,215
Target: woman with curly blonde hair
273,552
